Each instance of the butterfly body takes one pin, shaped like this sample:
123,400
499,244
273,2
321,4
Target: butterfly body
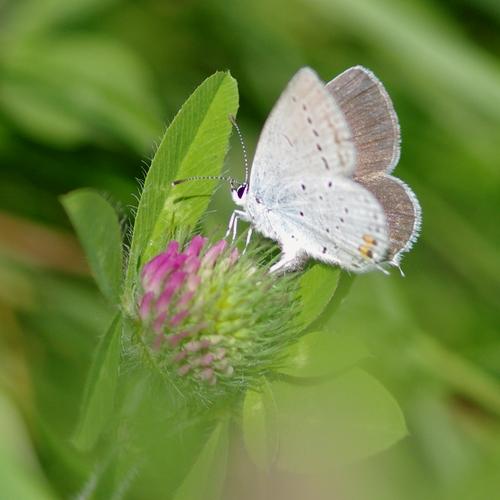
320,184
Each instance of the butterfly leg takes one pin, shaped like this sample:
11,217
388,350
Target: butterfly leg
233,222
249,235
235,227
288,262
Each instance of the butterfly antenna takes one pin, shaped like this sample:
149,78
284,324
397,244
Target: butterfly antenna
232,119
204,178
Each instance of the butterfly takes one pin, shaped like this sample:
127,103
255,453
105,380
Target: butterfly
320,183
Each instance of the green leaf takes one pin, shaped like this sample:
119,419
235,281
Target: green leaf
194,144
317,287
98,399
80,88
340,421
206,478
97,226
259,425
322,354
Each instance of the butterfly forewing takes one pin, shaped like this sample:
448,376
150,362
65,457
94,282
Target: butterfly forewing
371,117
305,133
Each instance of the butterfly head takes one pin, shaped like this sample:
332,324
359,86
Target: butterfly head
239,192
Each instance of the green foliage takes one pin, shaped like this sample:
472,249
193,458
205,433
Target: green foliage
30,17
323,280
323,354
98,228
260,426
457,67
18,474
206,478
100,389
344,414
68,90
340,420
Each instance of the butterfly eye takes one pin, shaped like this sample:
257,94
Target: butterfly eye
241,191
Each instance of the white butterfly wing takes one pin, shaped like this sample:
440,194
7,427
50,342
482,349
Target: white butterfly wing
305,133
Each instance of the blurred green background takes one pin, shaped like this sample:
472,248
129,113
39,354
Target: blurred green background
87,87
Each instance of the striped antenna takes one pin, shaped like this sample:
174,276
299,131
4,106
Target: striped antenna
243,147
232,181
204,178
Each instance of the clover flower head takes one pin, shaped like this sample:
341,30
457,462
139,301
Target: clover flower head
210,315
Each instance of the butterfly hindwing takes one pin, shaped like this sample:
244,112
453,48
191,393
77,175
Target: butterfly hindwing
332,219
402,211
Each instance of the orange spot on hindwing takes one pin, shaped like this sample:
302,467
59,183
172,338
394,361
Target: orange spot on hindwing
366,250
369,239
